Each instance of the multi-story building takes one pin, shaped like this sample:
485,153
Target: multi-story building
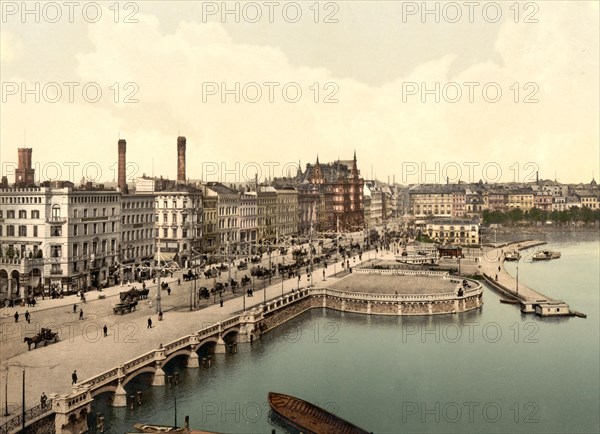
248,220
267,214
138,245
459,201
453,231
496,200
588,199
287,212
308,207
228,207
342,187
543,200
210,234
520,198
431,200
58,236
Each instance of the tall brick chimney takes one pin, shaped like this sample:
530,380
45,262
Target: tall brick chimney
122,167
181,159
24,174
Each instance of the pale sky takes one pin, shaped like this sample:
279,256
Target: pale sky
377,59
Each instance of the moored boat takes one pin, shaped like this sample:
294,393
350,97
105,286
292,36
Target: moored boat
309,418
545,255
513,255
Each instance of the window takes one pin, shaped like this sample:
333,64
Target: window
85,229
85,212
2,212
55,251
22,214
55,212
103,228
165,233
185,233
0,230
113,225
95,212
174,233
55,231
10,231
10,214
85,248
75,249
95,228
75,213
22,231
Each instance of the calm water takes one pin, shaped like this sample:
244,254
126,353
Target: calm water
490,371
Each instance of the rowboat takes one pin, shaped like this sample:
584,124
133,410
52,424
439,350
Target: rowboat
308,418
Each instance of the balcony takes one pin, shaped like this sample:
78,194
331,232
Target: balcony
56,271
56,220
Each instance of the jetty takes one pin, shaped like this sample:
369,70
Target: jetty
531,301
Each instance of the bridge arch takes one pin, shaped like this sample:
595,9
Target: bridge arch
146,369
110,388
183,352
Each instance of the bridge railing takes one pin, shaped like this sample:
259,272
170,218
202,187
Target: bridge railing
14,424
101,379
181,342
139,360
400,272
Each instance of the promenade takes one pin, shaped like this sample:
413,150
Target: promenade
84,348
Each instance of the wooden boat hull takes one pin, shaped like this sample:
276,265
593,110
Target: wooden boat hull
308,418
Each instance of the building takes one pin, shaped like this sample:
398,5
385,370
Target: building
520,198
138,245
228,217
266,208
287,212
248,221
461,232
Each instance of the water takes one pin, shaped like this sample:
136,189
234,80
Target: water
490,371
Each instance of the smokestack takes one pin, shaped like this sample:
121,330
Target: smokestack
24,175
121,178
181,159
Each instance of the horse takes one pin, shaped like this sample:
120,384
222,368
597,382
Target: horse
33,340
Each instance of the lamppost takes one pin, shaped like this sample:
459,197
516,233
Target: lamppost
23,403
6,413
517,275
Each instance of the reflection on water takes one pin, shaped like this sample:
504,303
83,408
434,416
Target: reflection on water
493,370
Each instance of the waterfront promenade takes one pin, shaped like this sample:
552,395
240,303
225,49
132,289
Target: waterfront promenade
84,348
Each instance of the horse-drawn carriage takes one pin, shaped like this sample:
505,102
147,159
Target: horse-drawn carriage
242,266
190,275
44,336
134,294
246,280
124,307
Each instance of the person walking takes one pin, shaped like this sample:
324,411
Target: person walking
81,314
105,329
75,308
16,316
221,302
27,317
74,377
149,323
168,290
43,400
160,315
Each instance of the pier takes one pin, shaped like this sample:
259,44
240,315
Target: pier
531,301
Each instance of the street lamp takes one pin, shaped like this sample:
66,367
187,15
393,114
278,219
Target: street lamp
517,275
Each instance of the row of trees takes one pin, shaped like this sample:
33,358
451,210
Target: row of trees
516,215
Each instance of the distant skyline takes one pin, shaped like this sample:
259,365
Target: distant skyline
378,61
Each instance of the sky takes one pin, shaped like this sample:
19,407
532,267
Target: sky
423,92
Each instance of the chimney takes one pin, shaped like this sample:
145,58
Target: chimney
121,178
181,159
24,175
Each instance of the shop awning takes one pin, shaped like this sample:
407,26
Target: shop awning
165,256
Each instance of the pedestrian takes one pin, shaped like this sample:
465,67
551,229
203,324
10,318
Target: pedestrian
74,376
80,314
323,274
179,281
149,323
75,308
43,400
27,317
105,329
168,290
496,277
221,302
498,268
16,316
160,315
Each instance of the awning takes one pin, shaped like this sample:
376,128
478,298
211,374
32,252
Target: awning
164,256
34,281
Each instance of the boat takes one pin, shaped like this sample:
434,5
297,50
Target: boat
545,255
513,255
309,418
149,428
